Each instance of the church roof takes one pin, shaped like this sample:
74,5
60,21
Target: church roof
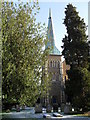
51,41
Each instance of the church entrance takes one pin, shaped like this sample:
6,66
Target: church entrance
54,99
55,104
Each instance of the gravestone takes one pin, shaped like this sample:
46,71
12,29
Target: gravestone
48,108
67,108
23,107
55,107
38,108
62,107
59,109
17,108
13,108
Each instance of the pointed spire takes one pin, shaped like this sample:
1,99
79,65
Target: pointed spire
51,42
49,12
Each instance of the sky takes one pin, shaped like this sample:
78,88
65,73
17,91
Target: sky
57,9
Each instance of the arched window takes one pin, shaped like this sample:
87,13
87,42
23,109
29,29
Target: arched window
58,64
48,64
55,64
51,64
65,78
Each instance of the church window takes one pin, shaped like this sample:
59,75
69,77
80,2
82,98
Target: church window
51,64
54,99
65,78
55,64
58,64
48,63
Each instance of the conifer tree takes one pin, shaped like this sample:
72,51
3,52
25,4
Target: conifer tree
75,51
75,47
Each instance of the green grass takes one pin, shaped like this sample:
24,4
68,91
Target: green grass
83,115
79,114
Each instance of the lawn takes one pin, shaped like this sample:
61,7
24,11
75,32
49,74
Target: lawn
84,115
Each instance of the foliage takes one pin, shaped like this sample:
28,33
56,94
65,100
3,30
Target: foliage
22,54
75,51
75,47
78,87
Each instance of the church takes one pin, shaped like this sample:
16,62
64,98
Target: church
56,67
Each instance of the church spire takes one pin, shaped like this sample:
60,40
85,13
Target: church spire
51,41
49,12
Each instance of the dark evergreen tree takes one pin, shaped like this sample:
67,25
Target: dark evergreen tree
78,88
75,47
75,51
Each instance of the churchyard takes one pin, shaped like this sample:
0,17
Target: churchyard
33,113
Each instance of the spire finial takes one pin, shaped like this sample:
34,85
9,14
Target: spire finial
49,12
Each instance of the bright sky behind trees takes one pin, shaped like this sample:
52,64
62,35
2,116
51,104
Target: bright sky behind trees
57,9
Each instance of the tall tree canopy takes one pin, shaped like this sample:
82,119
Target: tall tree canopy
75,47
22,54
75,51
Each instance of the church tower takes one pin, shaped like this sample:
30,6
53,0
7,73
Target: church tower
54,66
